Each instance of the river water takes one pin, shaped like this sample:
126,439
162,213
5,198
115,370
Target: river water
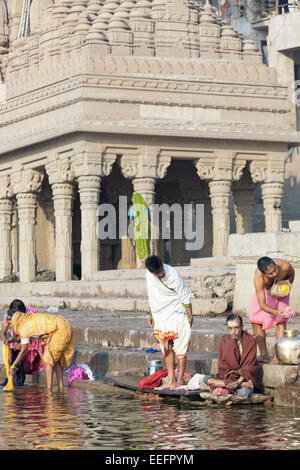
31,418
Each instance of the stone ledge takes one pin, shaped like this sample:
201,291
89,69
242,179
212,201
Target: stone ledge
287,396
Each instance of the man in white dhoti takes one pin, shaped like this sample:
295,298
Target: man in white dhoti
171,316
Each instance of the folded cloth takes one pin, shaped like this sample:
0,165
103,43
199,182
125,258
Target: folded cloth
153,380
220,391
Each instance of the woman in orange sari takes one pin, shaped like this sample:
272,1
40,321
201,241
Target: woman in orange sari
55,333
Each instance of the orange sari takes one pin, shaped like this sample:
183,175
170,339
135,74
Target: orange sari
56,333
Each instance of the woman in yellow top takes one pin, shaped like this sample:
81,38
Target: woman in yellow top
55,333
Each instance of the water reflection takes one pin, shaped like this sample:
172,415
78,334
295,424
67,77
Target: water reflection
31,418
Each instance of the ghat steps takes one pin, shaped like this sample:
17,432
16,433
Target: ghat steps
123,290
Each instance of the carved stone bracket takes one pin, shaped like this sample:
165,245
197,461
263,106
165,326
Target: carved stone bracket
146,163
93,160
215,167
6,190
26,180
59,168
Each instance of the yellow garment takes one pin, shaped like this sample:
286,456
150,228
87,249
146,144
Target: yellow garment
10,384
57,333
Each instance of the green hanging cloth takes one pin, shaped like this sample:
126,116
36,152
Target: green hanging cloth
142,228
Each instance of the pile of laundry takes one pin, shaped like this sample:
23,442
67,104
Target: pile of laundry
81,372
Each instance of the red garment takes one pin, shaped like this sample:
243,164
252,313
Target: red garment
153,380
231,366
32,362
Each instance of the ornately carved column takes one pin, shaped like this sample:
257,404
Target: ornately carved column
26,205
61,177
272,194
144,167
218,169
89,190
220,192
5,238
25,183
270,173
63,195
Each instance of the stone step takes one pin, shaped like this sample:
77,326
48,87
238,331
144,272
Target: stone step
114,283
202,307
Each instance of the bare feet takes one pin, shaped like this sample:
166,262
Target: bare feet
166,386
169,386
275,360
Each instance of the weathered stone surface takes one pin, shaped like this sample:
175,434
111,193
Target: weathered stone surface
287,396
279,375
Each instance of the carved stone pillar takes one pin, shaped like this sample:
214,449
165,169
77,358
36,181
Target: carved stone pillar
272,194
26,205
63,212
5,238
89,190
270,173
61,177
218,170
220,192
26,183
144,166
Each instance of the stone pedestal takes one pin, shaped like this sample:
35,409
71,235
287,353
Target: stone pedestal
89,190
26,205
63,205
220,197
272,194
5,237
246,249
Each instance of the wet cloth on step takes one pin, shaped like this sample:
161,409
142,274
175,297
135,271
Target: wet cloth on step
153,380
268,320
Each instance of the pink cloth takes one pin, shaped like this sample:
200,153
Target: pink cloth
32,362
220,391
289,312
76,373
268,320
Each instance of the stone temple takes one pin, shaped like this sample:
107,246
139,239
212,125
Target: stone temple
101,99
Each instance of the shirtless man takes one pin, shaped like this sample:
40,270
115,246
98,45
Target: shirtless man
267,311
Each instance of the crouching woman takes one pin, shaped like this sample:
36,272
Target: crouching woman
54,332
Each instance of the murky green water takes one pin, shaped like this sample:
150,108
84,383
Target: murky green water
80,419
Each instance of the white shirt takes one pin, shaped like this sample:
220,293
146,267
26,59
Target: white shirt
167,296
